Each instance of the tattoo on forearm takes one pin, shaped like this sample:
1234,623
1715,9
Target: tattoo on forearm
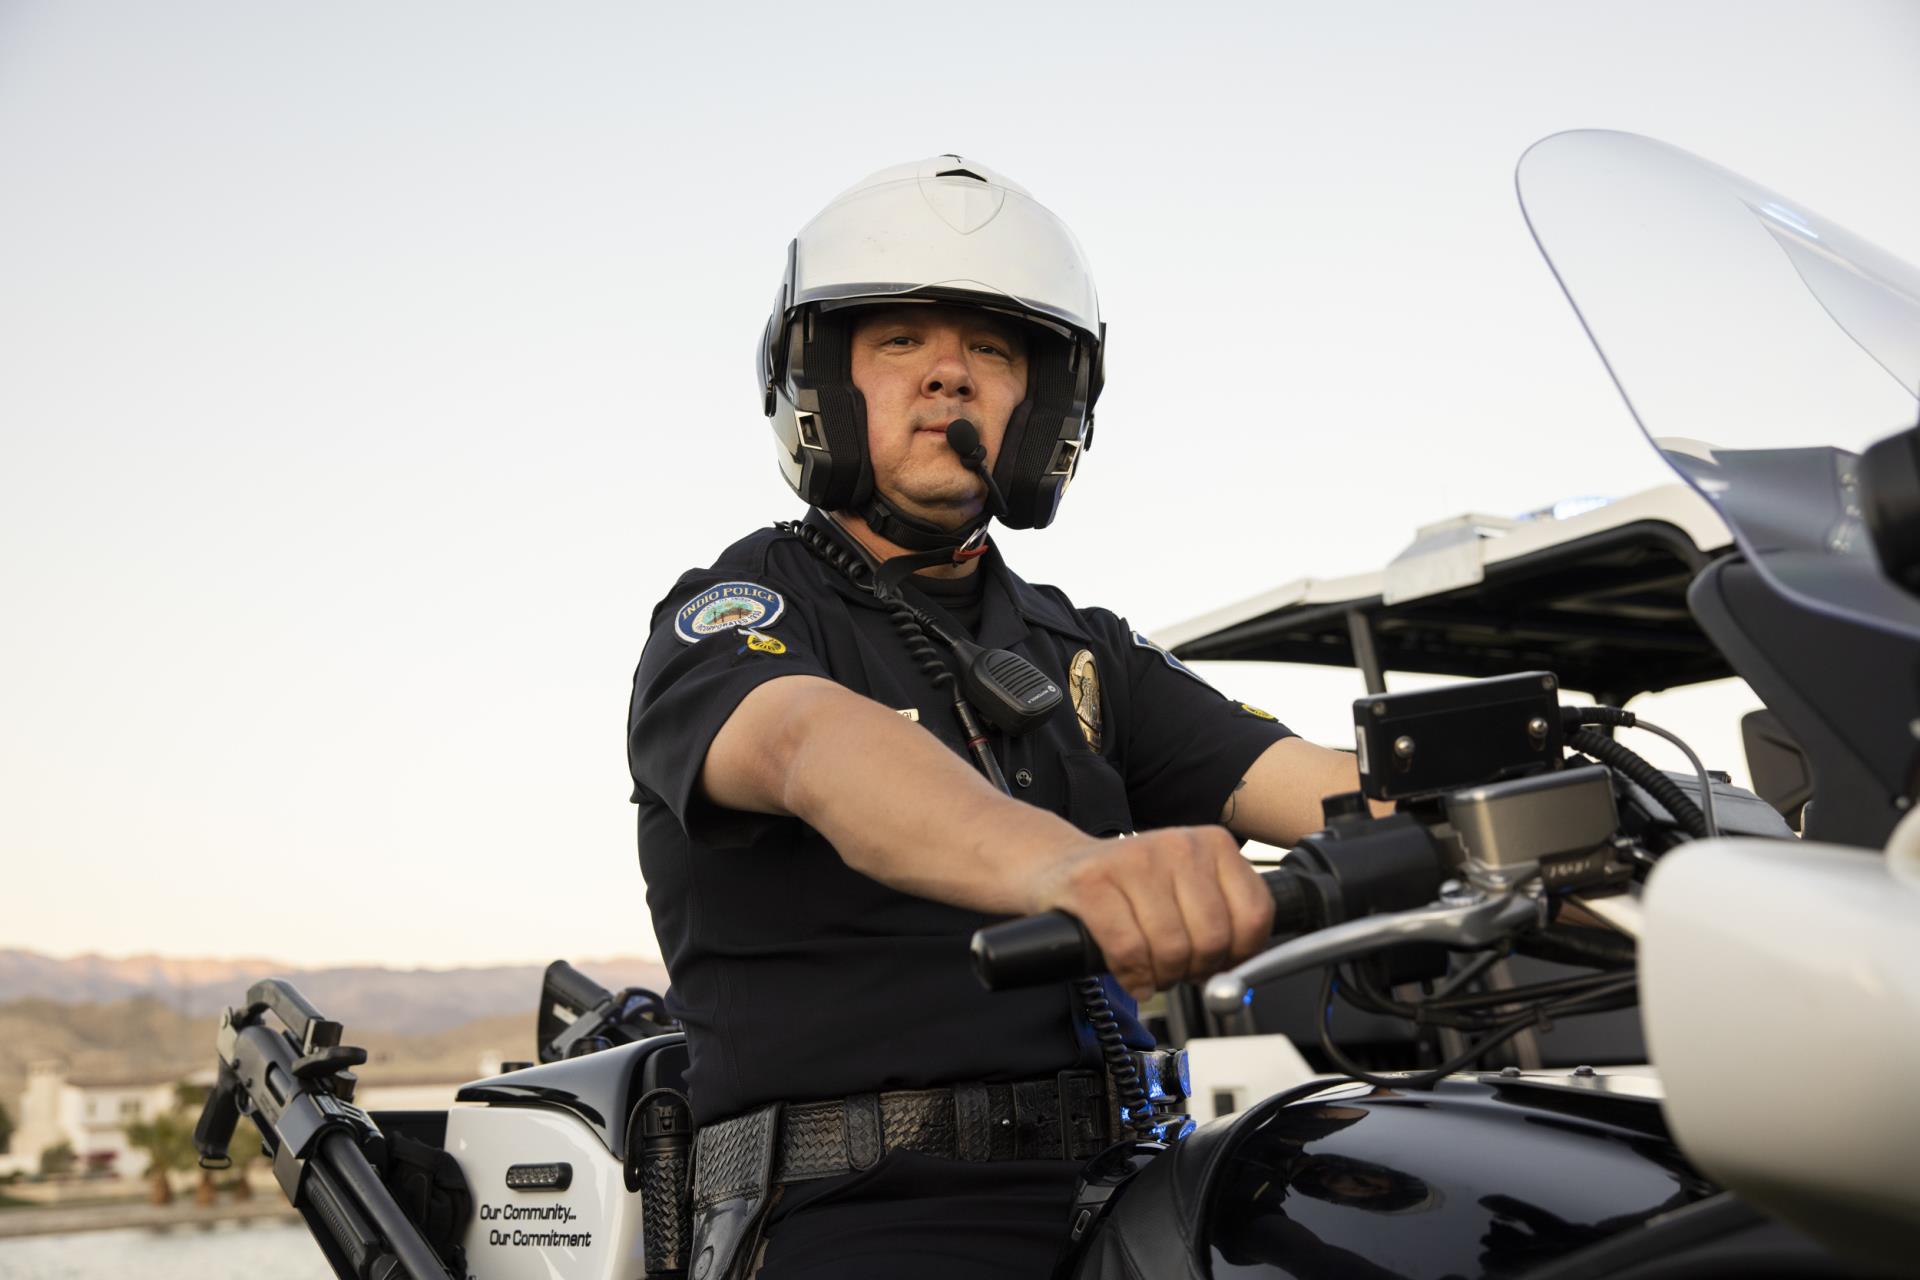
1233,803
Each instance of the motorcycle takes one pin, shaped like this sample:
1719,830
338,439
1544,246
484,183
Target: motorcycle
1774,973
1522,827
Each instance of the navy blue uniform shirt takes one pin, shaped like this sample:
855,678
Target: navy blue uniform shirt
798,978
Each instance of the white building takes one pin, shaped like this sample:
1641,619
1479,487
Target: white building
89,1114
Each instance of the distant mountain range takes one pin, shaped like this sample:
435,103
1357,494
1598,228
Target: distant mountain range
143,1040
361,997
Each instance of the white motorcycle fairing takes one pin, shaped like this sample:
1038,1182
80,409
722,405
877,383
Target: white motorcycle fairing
1767,968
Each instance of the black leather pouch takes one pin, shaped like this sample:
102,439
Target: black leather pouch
732,1184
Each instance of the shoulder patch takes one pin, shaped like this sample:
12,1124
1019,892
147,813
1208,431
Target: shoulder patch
1141,642
1258,714
729,606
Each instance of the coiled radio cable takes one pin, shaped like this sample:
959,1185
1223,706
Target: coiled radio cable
911,624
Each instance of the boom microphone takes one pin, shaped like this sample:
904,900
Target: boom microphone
964,439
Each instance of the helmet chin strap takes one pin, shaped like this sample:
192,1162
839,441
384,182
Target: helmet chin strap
915,534
891,572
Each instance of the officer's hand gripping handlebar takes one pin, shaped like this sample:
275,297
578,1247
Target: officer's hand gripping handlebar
1360,869
1054,945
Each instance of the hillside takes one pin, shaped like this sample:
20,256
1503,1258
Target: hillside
122,1038
144,1037
148,1015
364,998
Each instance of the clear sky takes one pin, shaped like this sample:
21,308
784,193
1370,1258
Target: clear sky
367,371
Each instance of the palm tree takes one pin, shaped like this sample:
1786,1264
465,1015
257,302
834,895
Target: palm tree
167,1140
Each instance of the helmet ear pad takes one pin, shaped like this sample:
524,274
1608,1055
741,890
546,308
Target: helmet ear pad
818,379
1039,450
1046,431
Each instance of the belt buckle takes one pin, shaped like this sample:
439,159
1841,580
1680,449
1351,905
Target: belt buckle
1084,1114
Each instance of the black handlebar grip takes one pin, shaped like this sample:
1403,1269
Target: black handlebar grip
1034,950
1054,946
575,988
1296,908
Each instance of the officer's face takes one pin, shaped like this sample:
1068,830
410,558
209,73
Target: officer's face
920,367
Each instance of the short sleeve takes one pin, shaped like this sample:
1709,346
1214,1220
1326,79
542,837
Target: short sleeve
713,642
1186,744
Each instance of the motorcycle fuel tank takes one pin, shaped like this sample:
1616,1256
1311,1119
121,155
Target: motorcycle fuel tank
1477,1177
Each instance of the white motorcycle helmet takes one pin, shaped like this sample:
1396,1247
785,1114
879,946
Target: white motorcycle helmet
942,230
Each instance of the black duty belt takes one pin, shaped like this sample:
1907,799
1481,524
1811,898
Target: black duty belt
738,1162
1064,1117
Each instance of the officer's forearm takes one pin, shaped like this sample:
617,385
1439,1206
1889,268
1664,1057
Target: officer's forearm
1278,800
895,802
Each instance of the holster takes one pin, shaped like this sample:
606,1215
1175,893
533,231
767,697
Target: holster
732,1191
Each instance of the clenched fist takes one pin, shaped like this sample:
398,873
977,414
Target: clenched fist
1165,906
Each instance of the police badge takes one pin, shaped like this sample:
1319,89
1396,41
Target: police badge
1083,679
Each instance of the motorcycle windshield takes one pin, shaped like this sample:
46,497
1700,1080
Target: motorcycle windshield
1760,347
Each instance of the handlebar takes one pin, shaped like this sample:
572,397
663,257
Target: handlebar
1358,867
575,988
1054,946
577,1015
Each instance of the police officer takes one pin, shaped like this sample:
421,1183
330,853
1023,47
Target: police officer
827,814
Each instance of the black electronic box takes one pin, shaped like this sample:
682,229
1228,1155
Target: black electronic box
1433,740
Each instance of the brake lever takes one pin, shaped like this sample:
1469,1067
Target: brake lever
1456,924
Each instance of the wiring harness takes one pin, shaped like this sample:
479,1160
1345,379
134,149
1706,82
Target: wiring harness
1697,821
1465,1004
